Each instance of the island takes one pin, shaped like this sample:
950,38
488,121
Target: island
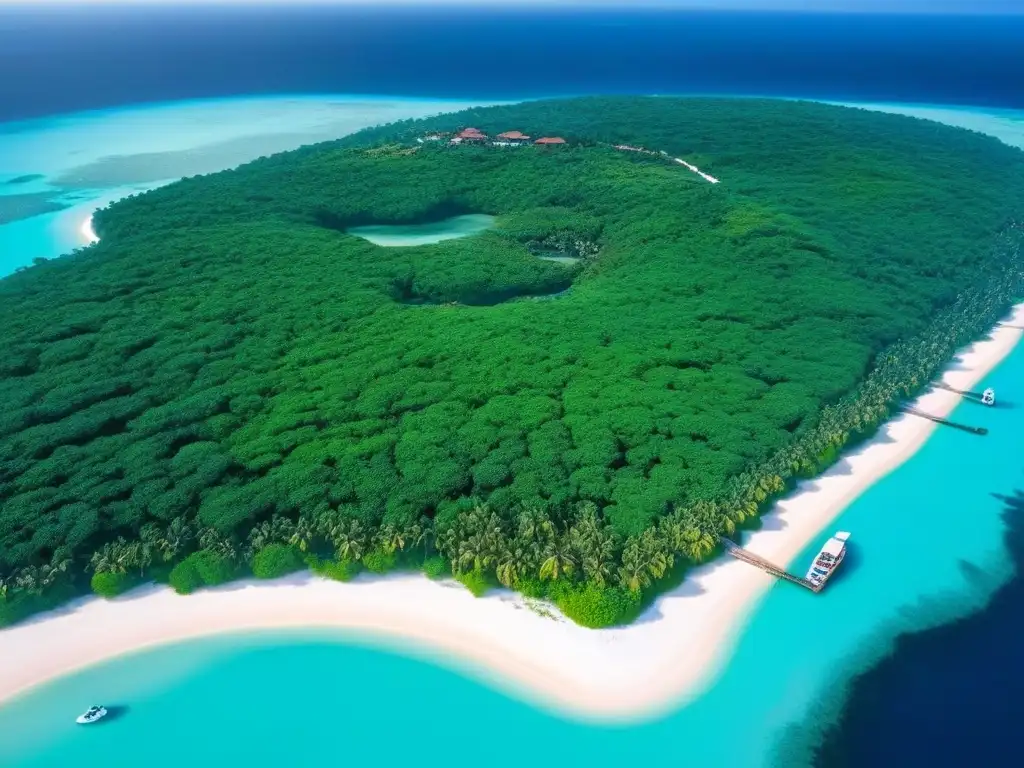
565,347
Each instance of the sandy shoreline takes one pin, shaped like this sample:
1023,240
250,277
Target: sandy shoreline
626,673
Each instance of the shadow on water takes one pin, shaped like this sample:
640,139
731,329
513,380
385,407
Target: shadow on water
115,712
947,695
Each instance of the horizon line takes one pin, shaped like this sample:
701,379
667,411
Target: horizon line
842,7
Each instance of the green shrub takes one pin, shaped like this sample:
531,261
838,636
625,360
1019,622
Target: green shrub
276,560
109,584
185,578
436,567
594,607
476,582
213,568
201,569
532,588
340,570
379,561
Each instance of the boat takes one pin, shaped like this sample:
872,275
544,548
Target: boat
828,559
91,715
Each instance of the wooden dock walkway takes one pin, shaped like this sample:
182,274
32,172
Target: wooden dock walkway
757,561
965,427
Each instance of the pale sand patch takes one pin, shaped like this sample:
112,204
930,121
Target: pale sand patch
671,655
88,232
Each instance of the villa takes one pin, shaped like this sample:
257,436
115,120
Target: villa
511,139
550,141
470,134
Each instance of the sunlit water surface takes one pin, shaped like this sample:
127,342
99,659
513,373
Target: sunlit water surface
272,699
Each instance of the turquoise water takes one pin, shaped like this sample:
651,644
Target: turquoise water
927,544
90,159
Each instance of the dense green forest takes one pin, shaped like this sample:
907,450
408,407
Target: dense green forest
229,383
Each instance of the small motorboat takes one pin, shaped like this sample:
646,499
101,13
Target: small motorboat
91,715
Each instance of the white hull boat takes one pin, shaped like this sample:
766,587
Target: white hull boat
91,715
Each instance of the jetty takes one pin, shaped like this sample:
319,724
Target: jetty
757,561
985,397
909,409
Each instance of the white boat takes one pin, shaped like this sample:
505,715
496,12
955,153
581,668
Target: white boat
828,559
91,715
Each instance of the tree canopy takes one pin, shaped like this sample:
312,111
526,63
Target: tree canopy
228,355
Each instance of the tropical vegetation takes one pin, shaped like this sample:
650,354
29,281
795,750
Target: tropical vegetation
229,383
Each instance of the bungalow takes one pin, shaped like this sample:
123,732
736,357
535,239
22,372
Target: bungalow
471,134
549,141
511,139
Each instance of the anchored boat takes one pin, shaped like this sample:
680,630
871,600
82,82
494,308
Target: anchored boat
91,715
828,559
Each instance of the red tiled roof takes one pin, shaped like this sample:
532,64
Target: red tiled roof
550,140
512,135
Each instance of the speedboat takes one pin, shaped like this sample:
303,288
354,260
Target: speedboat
91,715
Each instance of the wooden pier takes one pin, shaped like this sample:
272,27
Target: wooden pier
974,397
965,427
757,561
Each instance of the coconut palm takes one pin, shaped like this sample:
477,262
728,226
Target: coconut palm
644,559
556,559
113,557
176,539
350,540
515,563
391,538
303,534
594,546
214,541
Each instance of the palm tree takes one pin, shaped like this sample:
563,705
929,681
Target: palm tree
391,538
697,545
633,574
303,534
176,539
480,550
515,563
593,546
556,559
214,541
644,559
113,557
350,539
419,534
50,573
26,580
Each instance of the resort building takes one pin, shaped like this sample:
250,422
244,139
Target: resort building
550,141
510,139
471,135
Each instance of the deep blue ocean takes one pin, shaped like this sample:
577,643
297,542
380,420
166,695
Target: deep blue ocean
947,695
56,60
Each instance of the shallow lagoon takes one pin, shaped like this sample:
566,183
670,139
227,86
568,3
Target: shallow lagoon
302,700
406,235
87,160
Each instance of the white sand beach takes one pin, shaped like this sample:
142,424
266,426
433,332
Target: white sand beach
625,673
